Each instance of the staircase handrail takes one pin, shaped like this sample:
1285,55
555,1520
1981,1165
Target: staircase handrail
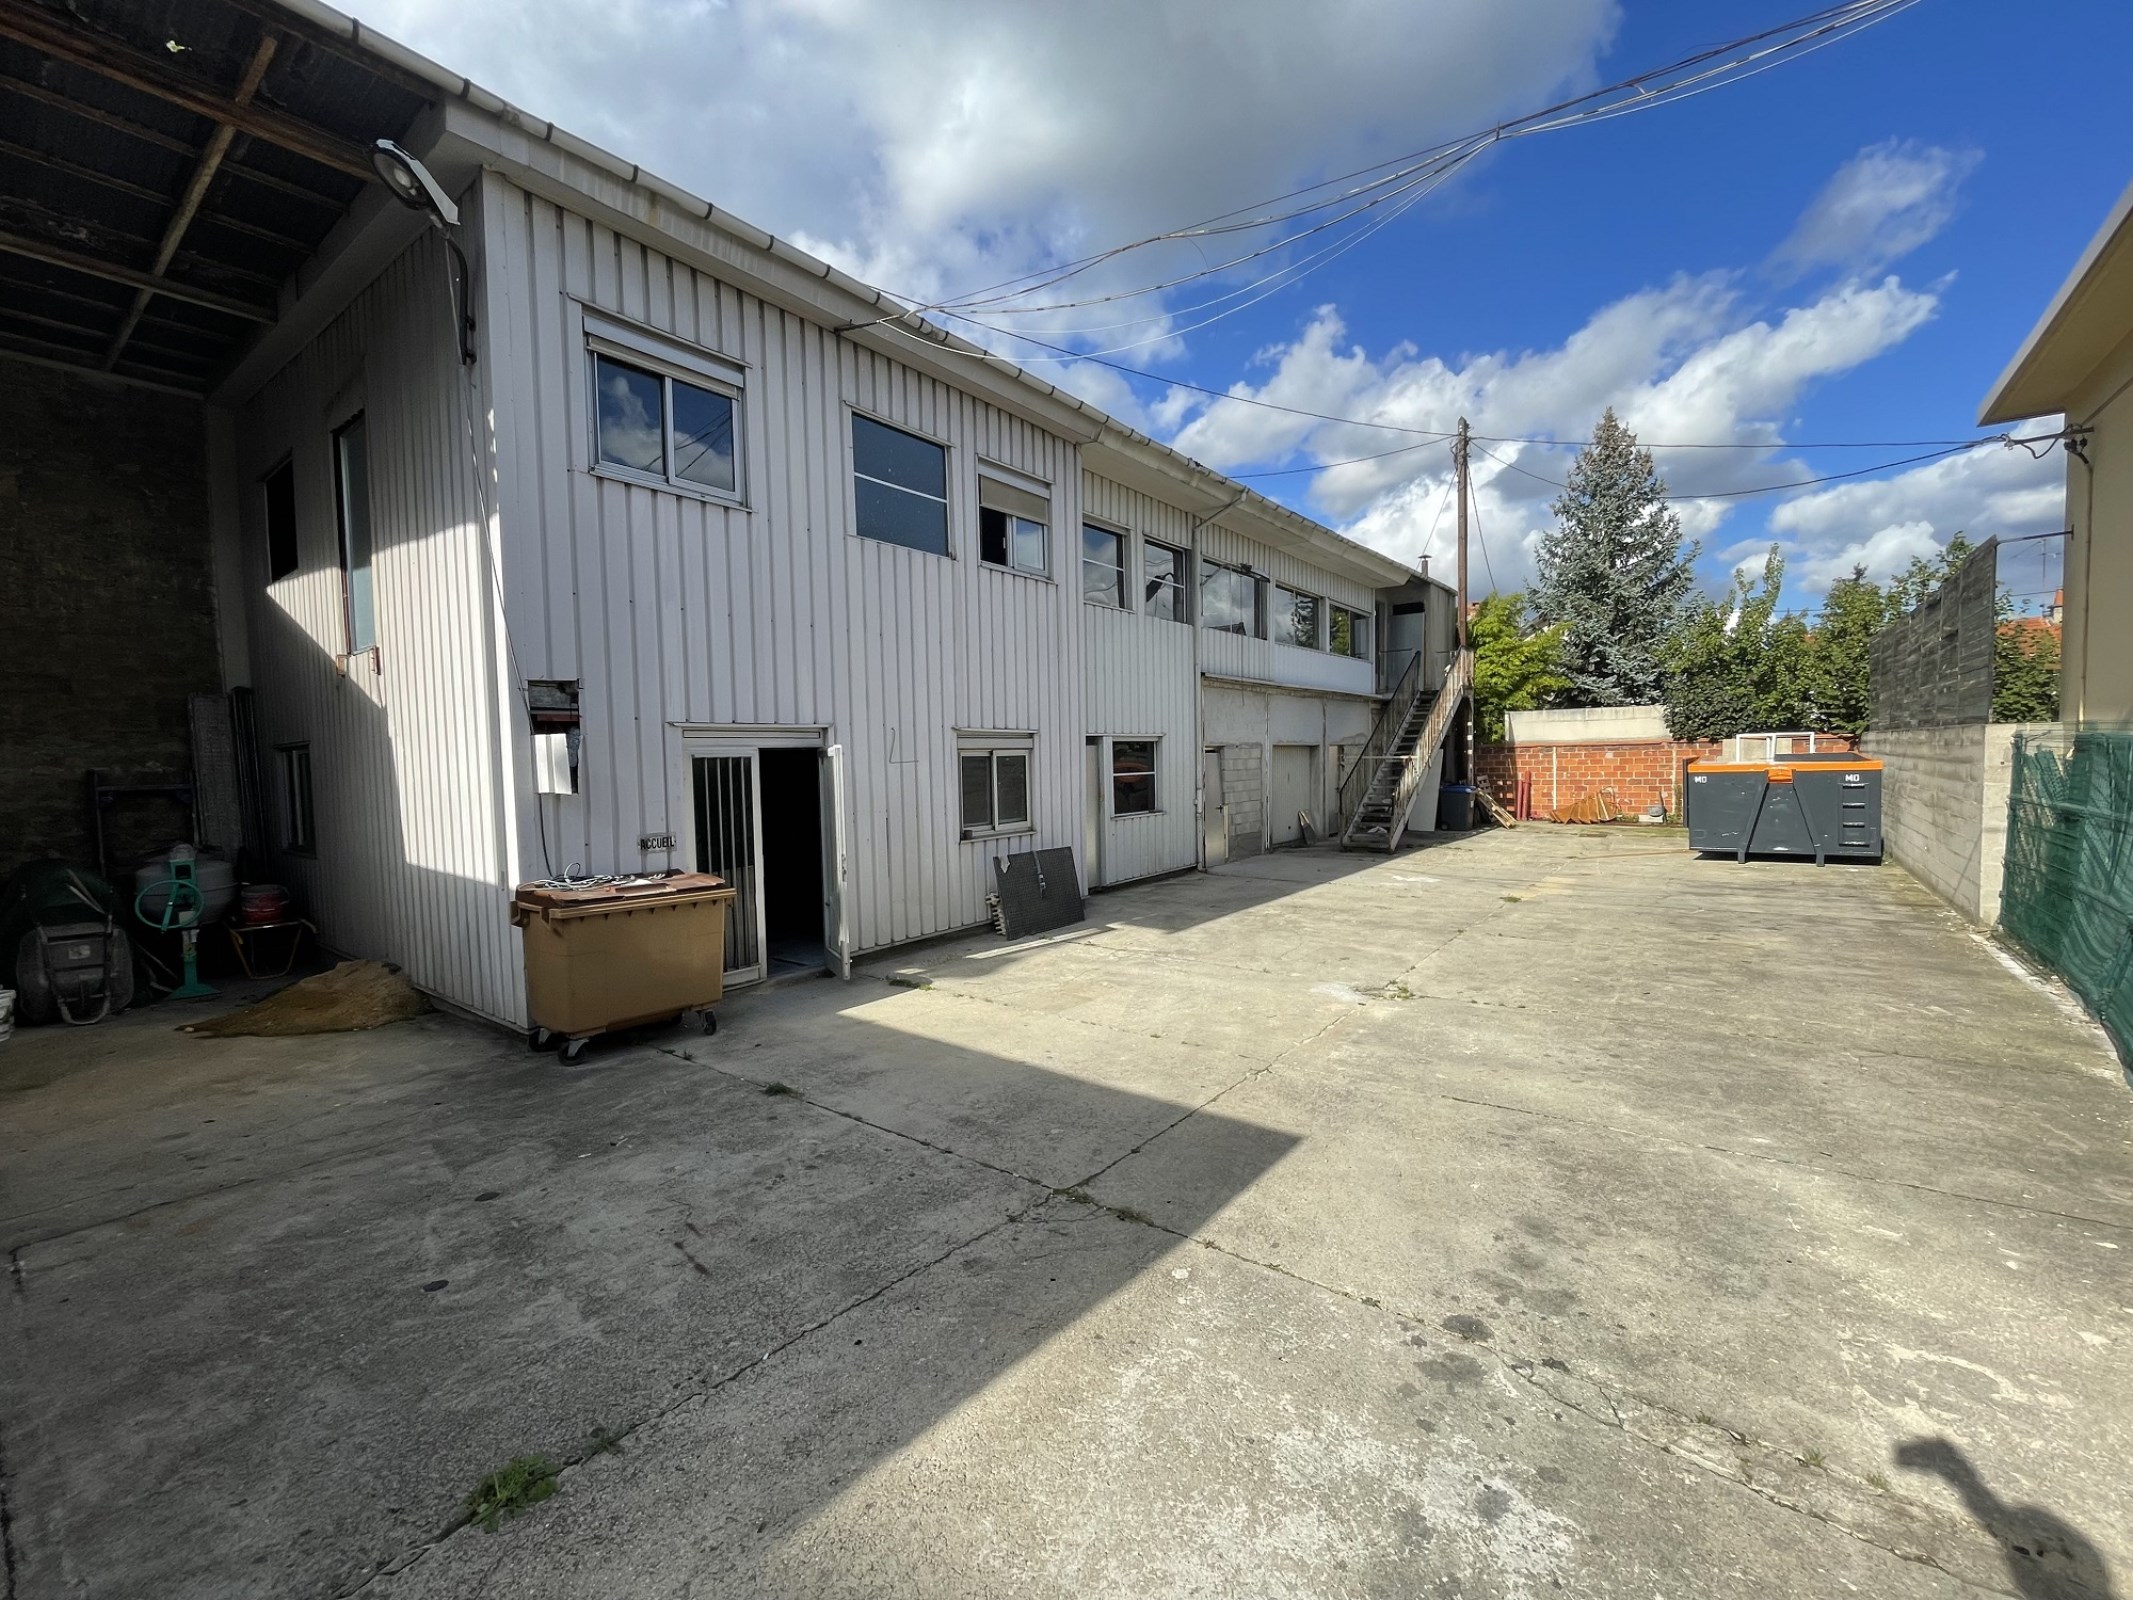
1457,680
1384,733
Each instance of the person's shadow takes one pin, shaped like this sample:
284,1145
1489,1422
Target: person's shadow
2048,1558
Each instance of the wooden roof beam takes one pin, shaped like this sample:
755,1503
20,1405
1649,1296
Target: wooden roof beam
218,146
31,24
16,244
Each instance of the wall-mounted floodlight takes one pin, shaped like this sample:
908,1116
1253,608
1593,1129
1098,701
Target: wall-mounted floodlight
411,183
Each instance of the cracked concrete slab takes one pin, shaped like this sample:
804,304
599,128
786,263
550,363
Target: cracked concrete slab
1533,1213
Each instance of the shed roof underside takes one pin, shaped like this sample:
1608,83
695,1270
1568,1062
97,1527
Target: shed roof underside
2089,318
166,166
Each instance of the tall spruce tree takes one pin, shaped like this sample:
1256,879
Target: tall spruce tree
1614,574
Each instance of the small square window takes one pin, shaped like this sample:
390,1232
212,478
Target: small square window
1132,777
899,487
995,790
297,828
1103,567
1014,526
660,426
280,494
1163,581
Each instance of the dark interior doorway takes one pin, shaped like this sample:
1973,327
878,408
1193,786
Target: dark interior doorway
792,859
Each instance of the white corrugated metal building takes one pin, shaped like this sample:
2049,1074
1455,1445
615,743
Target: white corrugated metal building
760,581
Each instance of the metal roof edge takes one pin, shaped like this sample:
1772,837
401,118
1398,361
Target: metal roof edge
1315,536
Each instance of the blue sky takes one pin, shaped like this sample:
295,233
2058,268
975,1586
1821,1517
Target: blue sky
1849,246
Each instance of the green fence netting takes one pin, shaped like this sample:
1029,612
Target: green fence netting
2067,897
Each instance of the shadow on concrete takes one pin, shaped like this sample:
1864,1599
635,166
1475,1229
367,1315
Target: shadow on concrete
382,1265
2048,1558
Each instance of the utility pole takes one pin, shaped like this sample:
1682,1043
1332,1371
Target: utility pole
1463,767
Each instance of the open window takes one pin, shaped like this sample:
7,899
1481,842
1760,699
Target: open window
994,776
1348,632
1163,581
279,492
1014,524
1103,566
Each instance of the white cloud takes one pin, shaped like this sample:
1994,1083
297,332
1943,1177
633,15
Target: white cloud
930,144
1996,491
1884,203
1683,363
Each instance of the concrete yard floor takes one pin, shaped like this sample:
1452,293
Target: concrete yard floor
1538,1212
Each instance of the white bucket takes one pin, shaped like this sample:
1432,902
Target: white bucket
7,1015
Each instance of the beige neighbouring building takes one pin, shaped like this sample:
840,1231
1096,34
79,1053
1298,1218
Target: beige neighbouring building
2078,361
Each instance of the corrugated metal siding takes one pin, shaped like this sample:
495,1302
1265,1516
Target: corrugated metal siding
1230,655
680,613
413,843
1138,673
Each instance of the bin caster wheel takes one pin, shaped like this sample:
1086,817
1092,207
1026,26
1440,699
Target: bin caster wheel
572,1049
710,1021
539,1039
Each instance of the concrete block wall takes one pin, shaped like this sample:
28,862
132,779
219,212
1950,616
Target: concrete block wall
1244,793
107,605
1944,806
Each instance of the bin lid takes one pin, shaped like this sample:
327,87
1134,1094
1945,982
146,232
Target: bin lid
619,891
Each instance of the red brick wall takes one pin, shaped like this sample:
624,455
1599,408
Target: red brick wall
1638,771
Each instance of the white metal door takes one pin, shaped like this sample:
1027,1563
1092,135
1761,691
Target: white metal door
1295,789
836,919
729,833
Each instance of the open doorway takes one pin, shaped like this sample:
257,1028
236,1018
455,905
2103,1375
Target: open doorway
792,861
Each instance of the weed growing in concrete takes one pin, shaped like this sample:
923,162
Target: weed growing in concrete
1372,1300
909,980
1129,1214
1080,1196
1513,899
1812,1458
779,1088
602,1441
517,1486
1397,990
1878,1481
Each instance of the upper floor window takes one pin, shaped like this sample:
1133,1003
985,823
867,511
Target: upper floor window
1229,599
1103,566
1292,617
280,494
1163,581
351,497
659,426
1349,632
1014,526
899,487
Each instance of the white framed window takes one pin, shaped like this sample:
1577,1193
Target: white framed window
993,778
1103,566
1229,600
351,507
1348,632
1014,523
298,829
1293,616
1132,777
664,412
899,487
1163,581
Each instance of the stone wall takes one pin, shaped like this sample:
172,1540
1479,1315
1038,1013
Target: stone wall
1944,807
107,612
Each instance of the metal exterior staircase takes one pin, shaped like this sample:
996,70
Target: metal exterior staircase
1378,794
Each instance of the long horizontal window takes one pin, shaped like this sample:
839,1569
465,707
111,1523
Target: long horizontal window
899,487
659,426
1229,599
